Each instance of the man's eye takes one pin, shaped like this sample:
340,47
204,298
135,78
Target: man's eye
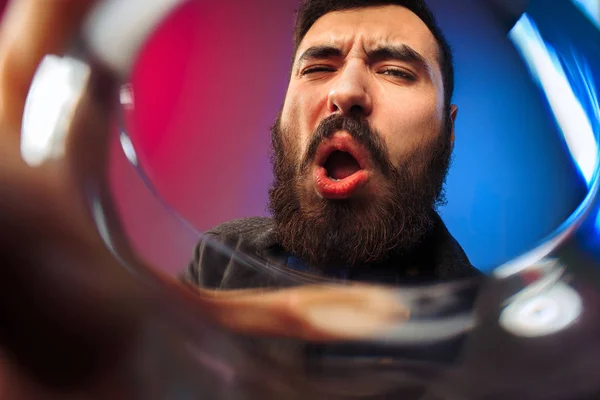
312,70
399,73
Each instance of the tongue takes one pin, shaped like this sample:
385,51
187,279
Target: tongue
341,165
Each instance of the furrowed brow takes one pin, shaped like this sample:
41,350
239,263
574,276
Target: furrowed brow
403,53
319,53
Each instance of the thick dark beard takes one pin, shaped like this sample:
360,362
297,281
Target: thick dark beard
355,231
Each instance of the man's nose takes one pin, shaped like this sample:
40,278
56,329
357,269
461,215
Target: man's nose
349,94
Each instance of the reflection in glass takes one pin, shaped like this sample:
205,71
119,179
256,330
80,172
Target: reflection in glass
591,8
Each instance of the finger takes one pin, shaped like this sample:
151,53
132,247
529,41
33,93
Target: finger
30,30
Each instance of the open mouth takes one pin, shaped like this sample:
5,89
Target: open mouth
341,167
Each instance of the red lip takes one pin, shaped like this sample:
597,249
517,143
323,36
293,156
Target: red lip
343,188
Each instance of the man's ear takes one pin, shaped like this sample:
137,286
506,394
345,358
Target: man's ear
453,114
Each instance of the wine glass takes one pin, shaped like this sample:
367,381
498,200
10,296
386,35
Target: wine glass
187,148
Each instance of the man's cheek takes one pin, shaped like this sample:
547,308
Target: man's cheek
404,141
300,138
289,142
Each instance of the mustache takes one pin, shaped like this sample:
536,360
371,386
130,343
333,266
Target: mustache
360,131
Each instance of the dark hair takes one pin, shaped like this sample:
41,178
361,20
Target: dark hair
311,10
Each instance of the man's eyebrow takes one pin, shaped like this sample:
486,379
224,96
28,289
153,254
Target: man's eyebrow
319,53
402,53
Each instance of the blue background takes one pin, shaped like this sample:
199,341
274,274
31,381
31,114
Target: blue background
513,181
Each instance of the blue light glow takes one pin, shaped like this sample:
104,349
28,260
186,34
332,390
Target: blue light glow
576,124
591,8
575,106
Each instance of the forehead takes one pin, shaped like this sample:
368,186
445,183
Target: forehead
369,27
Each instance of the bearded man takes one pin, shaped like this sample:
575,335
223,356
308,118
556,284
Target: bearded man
361,150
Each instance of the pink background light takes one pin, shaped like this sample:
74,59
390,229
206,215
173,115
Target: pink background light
207,88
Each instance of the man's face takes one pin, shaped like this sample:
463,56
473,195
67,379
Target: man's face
363,142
